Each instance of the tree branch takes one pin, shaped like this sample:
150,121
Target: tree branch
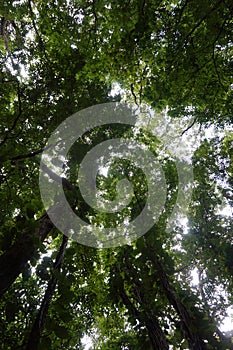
68,185
189,127
41,43
13,261
133,93
38,325
19,109
95,16
27,155
203,18
188,327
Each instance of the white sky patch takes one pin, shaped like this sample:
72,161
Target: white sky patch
30,35
170,132
24,72
16,212
104,171
211,131
195,277
227,324
184,224
87,342
227,211
116,89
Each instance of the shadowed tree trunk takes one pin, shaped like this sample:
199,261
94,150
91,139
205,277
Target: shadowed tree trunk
38,326
14,260
187,322
155,332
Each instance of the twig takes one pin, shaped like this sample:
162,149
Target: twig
189,127
133,93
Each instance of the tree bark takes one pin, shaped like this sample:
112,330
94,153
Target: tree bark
14,260
188,327
38,326
157,338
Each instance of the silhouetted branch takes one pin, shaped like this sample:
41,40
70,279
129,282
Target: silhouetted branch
19,109
38,326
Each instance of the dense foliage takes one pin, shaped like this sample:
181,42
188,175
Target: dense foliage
58,57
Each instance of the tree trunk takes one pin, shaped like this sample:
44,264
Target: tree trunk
155,332
38,326
14,260
188,327
156,335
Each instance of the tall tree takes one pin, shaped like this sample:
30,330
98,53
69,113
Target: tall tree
57,58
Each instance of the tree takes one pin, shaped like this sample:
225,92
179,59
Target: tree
57,58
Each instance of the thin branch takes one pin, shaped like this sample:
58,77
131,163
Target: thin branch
32,154
182,11
142,13
133,93
203,19
220,32
5,35
216,70
182,268
27,155
19,109
41,43
95,16
189,127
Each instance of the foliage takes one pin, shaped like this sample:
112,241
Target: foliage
58,57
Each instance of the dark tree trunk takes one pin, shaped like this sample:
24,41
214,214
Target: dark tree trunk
155,332
14,260
38,326
156,335
187,322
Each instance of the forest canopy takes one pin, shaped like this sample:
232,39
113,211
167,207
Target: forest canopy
173,59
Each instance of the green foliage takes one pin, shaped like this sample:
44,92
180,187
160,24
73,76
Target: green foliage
58,57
